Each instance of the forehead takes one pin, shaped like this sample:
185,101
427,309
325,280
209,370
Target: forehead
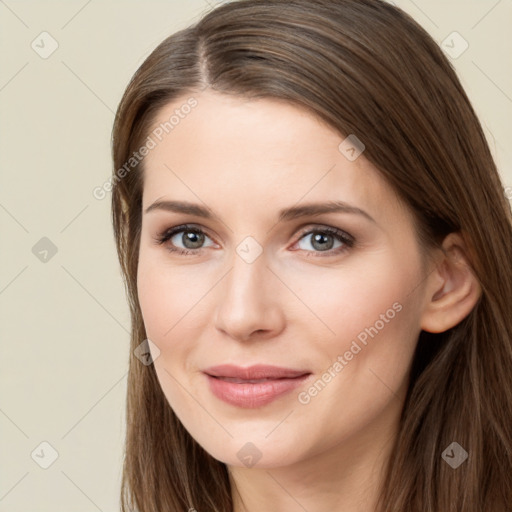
256,153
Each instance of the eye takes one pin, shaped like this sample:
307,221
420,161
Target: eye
321,240
191,237
324,239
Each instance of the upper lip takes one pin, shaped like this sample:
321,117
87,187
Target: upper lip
259,371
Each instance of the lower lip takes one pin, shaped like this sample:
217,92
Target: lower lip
252,395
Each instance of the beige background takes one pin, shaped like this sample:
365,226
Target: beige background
64,322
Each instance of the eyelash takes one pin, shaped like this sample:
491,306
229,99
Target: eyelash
347,240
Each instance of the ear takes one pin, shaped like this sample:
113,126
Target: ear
452,289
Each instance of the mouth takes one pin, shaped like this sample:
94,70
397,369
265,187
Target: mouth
255,372
244,381
254,386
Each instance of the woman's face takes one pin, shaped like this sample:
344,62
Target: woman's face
266,279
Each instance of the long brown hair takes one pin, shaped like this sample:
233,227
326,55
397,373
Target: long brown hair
366,68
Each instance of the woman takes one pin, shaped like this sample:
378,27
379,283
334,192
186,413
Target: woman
316,246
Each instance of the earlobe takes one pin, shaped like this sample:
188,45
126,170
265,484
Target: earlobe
452,290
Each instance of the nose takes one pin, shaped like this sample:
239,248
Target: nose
249,306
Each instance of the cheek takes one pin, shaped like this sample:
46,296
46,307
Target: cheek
377,352
362,370
370,318
349,299
170,298
154,302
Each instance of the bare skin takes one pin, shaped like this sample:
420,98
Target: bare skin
301,304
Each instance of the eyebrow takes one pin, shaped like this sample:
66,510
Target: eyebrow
286,214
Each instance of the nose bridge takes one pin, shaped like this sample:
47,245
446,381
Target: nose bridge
247,281
248,299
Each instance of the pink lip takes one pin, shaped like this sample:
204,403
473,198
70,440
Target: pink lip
233,385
